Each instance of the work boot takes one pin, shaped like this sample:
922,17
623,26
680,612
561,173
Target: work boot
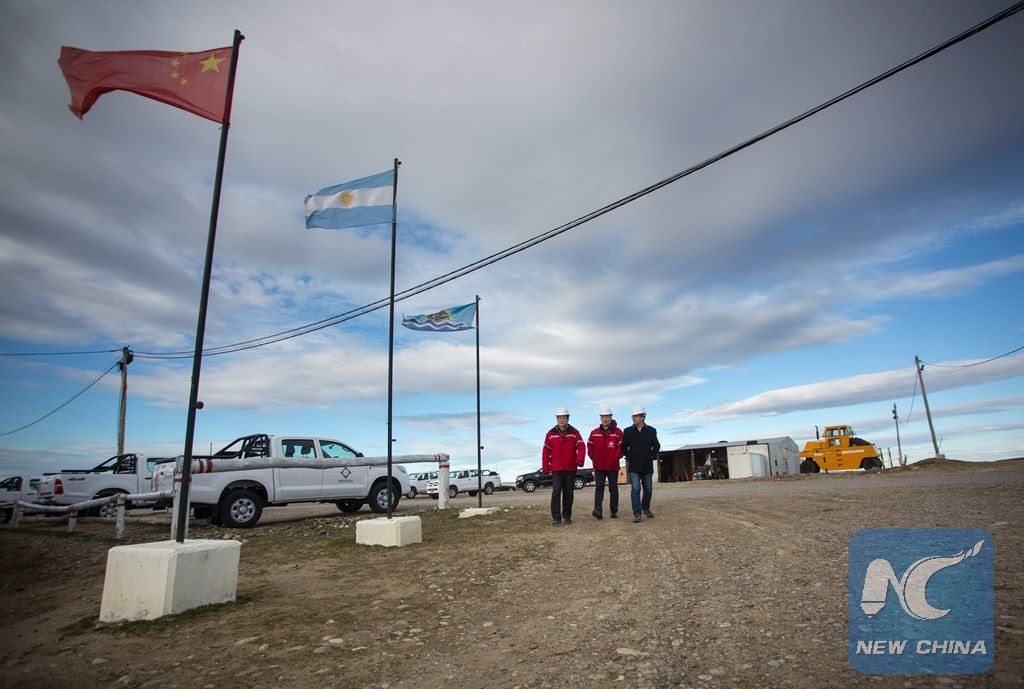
597,515
556,522
636,517
615,515
649,515
568,521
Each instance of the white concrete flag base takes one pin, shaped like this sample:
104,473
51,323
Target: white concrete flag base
397,531
476,512
146,581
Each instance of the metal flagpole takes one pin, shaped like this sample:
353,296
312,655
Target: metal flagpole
479,447
181,525
391,326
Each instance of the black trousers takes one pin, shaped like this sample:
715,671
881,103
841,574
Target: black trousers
562,494
613,490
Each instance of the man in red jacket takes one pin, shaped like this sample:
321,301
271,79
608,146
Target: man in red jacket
605,448
564,450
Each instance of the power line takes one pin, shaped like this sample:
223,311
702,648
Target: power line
976,363
912,398
550,234
95,351
73,398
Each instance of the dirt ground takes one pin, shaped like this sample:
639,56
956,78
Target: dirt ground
733,584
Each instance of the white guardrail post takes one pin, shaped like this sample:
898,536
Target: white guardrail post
442,483
120,515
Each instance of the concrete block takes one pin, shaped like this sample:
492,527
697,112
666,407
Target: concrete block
476,512
397,531
146,581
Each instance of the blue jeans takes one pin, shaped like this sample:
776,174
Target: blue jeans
635,481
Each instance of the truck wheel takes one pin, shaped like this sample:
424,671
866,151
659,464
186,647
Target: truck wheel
108,511
578,483
489,489
6,514
379,496
412,492
241,509
529,486
452,491
349,506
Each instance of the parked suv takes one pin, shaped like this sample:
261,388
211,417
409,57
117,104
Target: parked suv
535,479
467,481
418,483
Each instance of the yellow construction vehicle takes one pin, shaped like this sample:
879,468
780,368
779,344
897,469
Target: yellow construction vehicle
840,449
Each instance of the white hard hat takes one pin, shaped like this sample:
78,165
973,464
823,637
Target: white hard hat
561,411
604,411
639,410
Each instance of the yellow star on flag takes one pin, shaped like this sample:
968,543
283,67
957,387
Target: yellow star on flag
212,62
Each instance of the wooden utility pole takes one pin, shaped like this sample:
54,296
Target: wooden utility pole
899,447
126,358
927,411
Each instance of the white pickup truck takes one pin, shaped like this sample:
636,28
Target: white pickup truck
128,473
16,488
237,498
468,481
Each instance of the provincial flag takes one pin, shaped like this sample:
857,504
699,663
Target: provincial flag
196,82
445,320
365,201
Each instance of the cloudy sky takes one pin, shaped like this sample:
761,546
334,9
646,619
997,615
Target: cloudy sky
788,286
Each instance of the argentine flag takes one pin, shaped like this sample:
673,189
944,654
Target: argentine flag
365,201
445,320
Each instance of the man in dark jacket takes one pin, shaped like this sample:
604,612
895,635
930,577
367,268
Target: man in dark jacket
605,449
640,446
564,451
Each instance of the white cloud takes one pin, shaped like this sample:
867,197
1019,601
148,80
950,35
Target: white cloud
510,119
868,387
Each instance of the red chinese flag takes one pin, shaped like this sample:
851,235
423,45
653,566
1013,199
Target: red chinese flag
196,82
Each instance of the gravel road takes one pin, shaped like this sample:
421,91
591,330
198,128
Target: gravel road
733,584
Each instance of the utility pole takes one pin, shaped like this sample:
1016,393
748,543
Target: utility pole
899,447
928,412
126,358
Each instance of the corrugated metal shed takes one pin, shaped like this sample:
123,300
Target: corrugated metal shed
744,458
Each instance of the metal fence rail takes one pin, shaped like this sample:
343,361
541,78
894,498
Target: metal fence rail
22,508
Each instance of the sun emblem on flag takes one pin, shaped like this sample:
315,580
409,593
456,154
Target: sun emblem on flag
347,198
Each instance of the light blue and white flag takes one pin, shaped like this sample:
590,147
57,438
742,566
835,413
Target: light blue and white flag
365,201
445,320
